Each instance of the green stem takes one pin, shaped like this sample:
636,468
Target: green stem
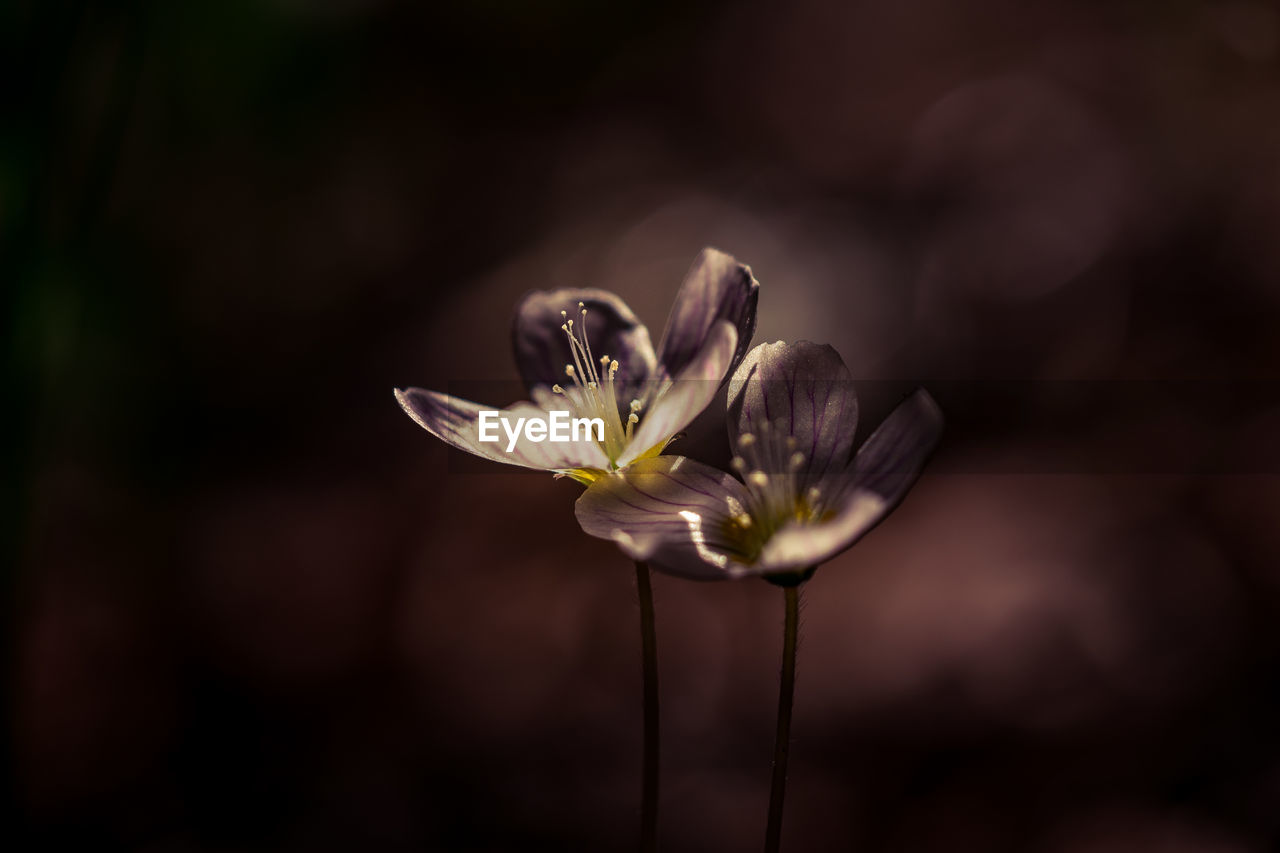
782,741
649,647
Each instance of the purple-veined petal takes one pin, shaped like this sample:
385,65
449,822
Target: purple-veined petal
716,288
671,512
456,421
860,497
889,462
797,546
542,348
802,390
681,400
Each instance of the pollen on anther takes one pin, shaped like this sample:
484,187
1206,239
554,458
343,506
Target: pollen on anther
635,405
738,463
556,389
797,459
746,440
569,371
758,478
633,418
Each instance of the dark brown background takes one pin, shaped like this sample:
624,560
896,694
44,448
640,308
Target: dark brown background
251,606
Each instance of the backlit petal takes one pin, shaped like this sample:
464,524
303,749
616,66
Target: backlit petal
803,390
716,288
889,462
671,512
684,398
456,421
542,348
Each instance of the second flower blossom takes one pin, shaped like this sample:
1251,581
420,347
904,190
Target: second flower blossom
803,497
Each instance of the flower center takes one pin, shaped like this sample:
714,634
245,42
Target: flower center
769,465
593,393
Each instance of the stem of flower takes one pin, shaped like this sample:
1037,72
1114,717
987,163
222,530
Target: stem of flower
782,741
649,649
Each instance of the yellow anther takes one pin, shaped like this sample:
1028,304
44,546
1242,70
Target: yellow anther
738,463
758,478
594,379
746,440
797,459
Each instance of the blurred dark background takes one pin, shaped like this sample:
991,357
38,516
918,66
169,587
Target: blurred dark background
251,606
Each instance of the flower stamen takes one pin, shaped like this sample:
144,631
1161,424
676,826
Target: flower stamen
597,392
771,468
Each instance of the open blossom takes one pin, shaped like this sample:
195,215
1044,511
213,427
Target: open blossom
583,351
803,496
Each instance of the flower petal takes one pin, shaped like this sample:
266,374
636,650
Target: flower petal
542,348
679,401
881,473
802,390
456,421
889,462
716,288
671,512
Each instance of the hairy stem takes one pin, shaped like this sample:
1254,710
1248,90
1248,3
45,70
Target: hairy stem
649,650
782,741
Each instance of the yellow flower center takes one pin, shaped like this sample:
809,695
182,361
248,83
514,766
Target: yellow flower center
769,465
